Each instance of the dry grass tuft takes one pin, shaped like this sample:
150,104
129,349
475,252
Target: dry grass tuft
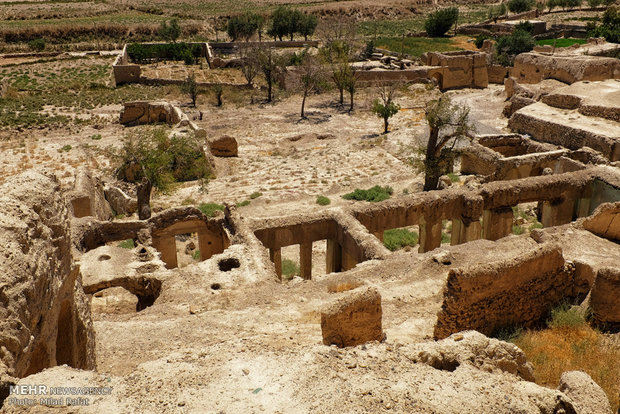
343,286
572,346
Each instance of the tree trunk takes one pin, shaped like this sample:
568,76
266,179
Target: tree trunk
351,94
385,125
341,96
303,104
431,163
144,199
269,82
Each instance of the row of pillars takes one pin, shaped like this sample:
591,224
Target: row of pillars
336,259
497,223
208,244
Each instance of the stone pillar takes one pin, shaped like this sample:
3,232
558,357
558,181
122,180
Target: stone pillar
463,232
276,257
497,223
305,260
333,257
167,246
348,261
430,234
582,207
557,212
209,244
379,235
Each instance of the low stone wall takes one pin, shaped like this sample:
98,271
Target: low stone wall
147,112
514,291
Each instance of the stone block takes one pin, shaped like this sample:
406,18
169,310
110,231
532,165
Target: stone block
224,146
354,319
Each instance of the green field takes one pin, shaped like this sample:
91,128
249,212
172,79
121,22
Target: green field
561,42
415,46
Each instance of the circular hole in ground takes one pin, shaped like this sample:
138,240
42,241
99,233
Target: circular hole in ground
216,286
226,265
104,257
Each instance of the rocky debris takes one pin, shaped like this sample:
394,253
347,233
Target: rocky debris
45,314
224,146
586,394
353,319
120,202
88,197
604,297
605,221
473,348
145,112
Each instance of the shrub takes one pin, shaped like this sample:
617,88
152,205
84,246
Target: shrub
322,200
374,194
170,32
496,12
209,209
37,45
520,6
255,194
190,87
196,255
480,40
243,203
594,3
525,25
369,49
439,22
566,315
127,244
507,47
395,239
290,269
144,53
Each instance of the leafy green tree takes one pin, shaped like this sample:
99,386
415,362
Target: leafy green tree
439,22
244,26
447,122
280,22
151,158
507,47
307,25
171,31
610,26
269,64
384,106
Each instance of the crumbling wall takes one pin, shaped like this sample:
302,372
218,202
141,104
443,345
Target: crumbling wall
604,297
145,112
88,197
533,67
462,69
514,291
45,316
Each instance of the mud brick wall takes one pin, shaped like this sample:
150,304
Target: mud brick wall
514,291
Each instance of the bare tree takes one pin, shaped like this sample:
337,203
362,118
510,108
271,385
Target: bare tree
310,75
339,37
448,122
269,64
249,66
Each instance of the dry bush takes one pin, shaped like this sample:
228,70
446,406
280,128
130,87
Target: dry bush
573,346
343,285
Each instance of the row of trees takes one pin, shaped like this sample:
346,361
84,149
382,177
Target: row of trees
285,22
